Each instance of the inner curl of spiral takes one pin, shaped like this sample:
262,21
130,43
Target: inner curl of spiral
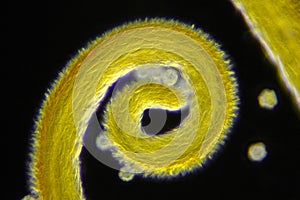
148,87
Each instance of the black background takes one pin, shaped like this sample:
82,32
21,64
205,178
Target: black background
42,38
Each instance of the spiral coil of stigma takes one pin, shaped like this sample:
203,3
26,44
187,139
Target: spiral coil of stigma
168,66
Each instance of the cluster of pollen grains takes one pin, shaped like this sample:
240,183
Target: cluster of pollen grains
159,65
168,76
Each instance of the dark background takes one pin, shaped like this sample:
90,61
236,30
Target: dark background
42,38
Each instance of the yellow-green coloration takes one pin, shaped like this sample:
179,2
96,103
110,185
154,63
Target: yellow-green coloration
267,99
276,25
28,197
126,176
257,152
207,86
